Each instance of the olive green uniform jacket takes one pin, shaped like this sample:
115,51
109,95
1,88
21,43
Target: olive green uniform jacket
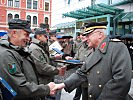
82,52
44,70
108,72
17,68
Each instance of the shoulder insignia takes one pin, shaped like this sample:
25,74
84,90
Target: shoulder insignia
115,40
12,68
103,46
41,58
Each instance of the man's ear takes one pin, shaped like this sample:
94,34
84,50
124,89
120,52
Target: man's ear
100,35
14,33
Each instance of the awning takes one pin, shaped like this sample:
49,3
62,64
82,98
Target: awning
96,10
128,15
65,25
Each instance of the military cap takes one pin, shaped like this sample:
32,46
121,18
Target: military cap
52,32
20,24
78,33
40,31
67,37
90,27
59,37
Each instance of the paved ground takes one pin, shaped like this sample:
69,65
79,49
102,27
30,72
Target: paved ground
131,89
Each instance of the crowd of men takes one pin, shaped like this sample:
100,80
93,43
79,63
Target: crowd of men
29,68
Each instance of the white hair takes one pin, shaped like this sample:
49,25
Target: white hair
102,30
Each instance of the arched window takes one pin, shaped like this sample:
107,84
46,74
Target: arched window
16,16
29,18
10,16
46,20
34,20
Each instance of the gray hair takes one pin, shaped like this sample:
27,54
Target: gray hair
102,30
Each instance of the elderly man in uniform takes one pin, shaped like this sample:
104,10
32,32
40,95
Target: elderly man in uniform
16,65
83,51
107,69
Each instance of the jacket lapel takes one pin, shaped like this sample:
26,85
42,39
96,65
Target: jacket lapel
95,58
97,54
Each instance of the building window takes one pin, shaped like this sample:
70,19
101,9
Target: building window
10,3
10,16
34,20
69,1
116,1
34,4
46,20
16,3
99,1
16,16
29,18
29,4
46,6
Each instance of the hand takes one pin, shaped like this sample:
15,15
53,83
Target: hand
58,56
62,70
51,86
68,58
58,87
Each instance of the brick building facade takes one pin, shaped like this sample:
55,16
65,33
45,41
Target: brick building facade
37,11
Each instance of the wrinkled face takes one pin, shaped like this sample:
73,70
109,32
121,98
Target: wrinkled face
21,38
93,39
43,38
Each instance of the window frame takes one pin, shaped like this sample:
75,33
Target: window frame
13,4
32,4
36,5
13,14
16,4
31,14
47,1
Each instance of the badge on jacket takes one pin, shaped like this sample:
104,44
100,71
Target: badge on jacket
103,46
12,68
41,58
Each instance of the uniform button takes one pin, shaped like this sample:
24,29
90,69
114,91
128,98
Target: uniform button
88,72
90,96
83,62
89,84
100,86
98,72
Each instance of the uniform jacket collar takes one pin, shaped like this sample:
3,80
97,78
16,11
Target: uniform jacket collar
97,54
38,42
5,42
104,45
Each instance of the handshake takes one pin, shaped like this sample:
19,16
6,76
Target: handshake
54,87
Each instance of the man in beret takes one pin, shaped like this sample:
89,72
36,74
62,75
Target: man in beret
16,65
52,36
40,53
107,70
